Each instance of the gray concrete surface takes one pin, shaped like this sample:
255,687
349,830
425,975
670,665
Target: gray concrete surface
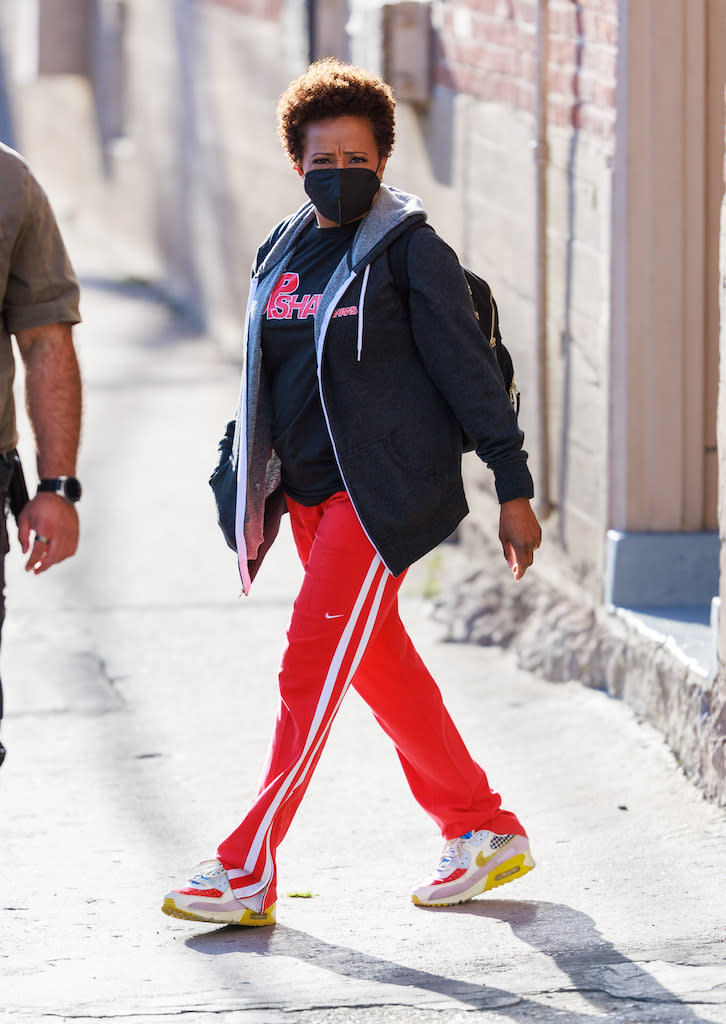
140,690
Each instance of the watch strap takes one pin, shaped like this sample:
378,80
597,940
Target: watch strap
67,487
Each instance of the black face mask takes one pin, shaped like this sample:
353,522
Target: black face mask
342,194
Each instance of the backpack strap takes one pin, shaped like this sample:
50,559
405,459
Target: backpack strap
398,258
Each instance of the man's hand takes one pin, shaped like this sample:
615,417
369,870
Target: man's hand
520,535
54,521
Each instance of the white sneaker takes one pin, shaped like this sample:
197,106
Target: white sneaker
208,896
472,864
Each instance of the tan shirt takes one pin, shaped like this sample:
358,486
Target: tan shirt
37,283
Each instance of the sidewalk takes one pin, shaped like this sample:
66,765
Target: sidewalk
140,694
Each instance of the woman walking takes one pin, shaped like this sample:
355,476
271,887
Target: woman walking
354,399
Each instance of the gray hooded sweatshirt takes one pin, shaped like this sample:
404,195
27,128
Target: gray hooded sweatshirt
398,381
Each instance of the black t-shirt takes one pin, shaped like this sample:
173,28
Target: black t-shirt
299,434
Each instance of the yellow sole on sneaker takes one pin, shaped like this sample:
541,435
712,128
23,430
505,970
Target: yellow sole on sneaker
508,871
247,919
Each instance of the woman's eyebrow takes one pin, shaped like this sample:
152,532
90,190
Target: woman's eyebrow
347,152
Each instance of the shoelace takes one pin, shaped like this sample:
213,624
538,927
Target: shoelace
207,874
451,857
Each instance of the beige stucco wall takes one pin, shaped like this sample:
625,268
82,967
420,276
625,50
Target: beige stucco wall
669,165
722,455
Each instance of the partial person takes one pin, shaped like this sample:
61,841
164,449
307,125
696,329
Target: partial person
39,297
353,403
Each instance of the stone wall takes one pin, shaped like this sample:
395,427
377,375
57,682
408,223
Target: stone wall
561,634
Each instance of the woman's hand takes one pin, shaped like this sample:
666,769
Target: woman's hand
520,535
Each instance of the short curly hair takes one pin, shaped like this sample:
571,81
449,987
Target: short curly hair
331,88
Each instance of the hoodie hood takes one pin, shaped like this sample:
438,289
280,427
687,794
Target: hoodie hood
389,215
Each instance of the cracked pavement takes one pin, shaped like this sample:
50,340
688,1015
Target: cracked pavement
140,693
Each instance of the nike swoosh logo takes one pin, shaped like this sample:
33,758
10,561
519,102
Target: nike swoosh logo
482,860
329,616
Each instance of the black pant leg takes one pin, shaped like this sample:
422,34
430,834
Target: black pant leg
4,547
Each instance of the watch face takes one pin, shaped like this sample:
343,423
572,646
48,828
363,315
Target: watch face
72,488
66,487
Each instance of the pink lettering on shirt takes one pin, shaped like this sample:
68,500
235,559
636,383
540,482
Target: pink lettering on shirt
284,301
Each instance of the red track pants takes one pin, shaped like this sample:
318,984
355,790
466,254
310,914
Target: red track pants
345,629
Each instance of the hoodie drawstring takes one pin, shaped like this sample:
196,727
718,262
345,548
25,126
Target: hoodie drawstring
361,300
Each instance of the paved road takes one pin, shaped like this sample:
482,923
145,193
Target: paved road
140,690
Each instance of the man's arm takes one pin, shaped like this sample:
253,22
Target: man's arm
53,402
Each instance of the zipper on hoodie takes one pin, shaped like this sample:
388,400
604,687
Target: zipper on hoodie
323,332
242,451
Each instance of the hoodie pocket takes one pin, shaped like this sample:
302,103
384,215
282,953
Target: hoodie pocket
388,488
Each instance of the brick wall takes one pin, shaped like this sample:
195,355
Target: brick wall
487,49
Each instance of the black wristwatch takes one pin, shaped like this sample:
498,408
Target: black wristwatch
67,487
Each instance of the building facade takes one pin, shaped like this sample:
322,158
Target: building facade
571,152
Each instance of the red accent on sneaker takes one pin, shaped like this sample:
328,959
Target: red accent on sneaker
200,892
450,878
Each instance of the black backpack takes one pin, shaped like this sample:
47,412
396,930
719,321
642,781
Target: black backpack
485,310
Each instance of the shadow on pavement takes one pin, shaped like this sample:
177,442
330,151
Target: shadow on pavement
595,969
